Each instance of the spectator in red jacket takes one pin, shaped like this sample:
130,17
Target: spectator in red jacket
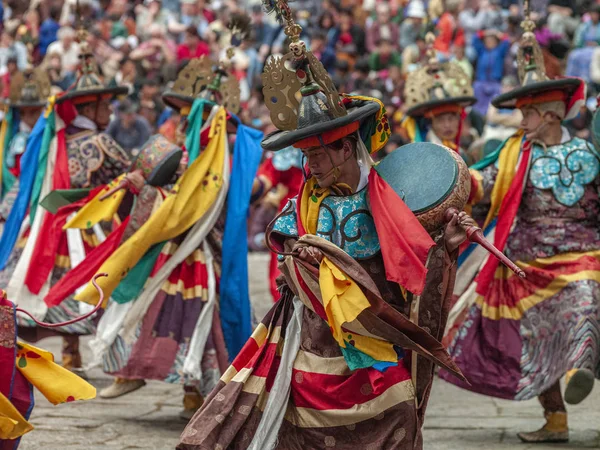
450,33
192,46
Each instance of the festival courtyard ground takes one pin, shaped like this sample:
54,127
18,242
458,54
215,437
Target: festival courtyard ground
147,419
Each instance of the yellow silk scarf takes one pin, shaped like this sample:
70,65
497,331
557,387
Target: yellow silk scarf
507,167
194,193
343,299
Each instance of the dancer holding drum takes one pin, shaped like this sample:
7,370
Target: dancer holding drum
520,336
436,96
345,358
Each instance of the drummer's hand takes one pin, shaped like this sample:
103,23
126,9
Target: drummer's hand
455,233
311,255
136,179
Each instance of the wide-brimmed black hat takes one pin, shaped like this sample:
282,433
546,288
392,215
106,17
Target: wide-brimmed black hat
509,99
536,87
317,125
89,88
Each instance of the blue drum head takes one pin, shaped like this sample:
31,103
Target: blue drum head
422,174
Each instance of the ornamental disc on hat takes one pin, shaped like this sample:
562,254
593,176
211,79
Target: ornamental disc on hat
303,102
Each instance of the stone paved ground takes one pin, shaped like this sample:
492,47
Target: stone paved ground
147,419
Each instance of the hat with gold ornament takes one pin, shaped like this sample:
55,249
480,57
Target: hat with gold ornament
303,102
30,88
437,87
89,87
210,80
536,88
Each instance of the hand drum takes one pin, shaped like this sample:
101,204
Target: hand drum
158,161
430,178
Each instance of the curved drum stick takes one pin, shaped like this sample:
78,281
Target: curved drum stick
123,184
474,234
77,319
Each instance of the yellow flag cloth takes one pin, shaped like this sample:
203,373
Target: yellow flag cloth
344,301
507,167
12,424
194,193
58,384
97,210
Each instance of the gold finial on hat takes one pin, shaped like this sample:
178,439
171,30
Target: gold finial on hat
298,71
435,80
530,59
528,25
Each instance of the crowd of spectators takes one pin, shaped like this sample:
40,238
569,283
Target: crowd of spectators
368,47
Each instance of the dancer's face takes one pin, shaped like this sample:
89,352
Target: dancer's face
445,125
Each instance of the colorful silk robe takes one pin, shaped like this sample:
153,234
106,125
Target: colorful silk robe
336,362
76,157
514,338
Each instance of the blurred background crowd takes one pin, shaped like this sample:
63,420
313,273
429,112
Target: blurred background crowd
368,47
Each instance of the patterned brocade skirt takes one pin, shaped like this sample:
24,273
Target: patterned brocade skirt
524,335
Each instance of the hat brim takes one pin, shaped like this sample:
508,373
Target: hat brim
100,92
282,139
25,105
509,99
179,101
422,108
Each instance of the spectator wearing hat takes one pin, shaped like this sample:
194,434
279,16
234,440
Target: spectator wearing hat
382,28
129,129
587,37
192,46
491,47
413,23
